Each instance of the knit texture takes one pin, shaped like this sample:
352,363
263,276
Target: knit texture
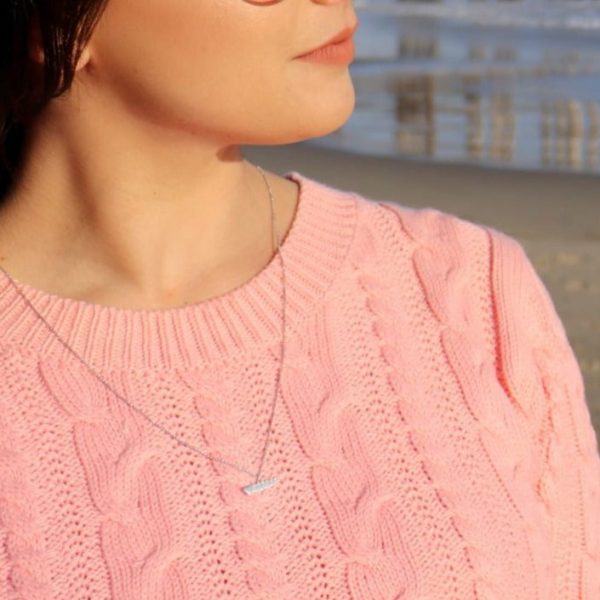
431,439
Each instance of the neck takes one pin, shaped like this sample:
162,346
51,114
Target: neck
157,230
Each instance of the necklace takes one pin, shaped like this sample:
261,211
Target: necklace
258,484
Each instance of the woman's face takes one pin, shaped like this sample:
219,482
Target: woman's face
223,68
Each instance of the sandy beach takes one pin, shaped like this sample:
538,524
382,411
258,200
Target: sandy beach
556,216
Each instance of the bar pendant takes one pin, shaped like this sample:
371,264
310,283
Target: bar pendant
259,486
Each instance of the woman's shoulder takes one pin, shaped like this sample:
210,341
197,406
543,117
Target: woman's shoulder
394,226
430,226
437,242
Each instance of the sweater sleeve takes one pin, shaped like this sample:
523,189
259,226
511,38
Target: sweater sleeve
539,372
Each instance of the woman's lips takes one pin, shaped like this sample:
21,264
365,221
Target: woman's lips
339,53
339,49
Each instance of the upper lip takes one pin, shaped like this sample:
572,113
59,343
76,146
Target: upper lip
340,37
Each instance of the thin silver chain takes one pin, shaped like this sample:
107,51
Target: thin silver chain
256,486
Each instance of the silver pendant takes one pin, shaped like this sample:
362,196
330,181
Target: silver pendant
259,486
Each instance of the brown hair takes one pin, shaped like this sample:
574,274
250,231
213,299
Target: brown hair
26,87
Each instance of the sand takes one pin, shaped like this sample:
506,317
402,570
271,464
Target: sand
556,216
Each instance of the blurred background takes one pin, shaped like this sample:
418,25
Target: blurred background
495,82
489,110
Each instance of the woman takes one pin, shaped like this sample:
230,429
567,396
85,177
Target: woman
382,404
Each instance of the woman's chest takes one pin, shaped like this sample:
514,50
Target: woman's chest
134,490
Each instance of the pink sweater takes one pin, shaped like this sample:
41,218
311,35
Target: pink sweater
432,439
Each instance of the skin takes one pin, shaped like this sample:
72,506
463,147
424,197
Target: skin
134,188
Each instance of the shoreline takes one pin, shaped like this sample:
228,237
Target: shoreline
554,215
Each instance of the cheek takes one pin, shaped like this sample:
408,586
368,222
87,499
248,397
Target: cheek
209,63
217,69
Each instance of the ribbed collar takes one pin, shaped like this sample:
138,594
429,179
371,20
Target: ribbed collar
245,317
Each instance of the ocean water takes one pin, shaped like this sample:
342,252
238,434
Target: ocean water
502,84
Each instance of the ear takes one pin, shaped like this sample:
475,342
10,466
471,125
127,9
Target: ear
36,48
36,51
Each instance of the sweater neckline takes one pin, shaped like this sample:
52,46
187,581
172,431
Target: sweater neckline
247,316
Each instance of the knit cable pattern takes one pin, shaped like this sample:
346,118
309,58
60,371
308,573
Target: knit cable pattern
440,246
24,576
214,398
121,472
543,379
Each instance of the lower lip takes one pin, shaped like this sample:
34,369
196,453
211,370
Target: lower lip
341,53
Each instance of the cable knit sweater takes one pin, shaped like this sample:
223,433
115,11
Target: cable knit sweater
431,438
